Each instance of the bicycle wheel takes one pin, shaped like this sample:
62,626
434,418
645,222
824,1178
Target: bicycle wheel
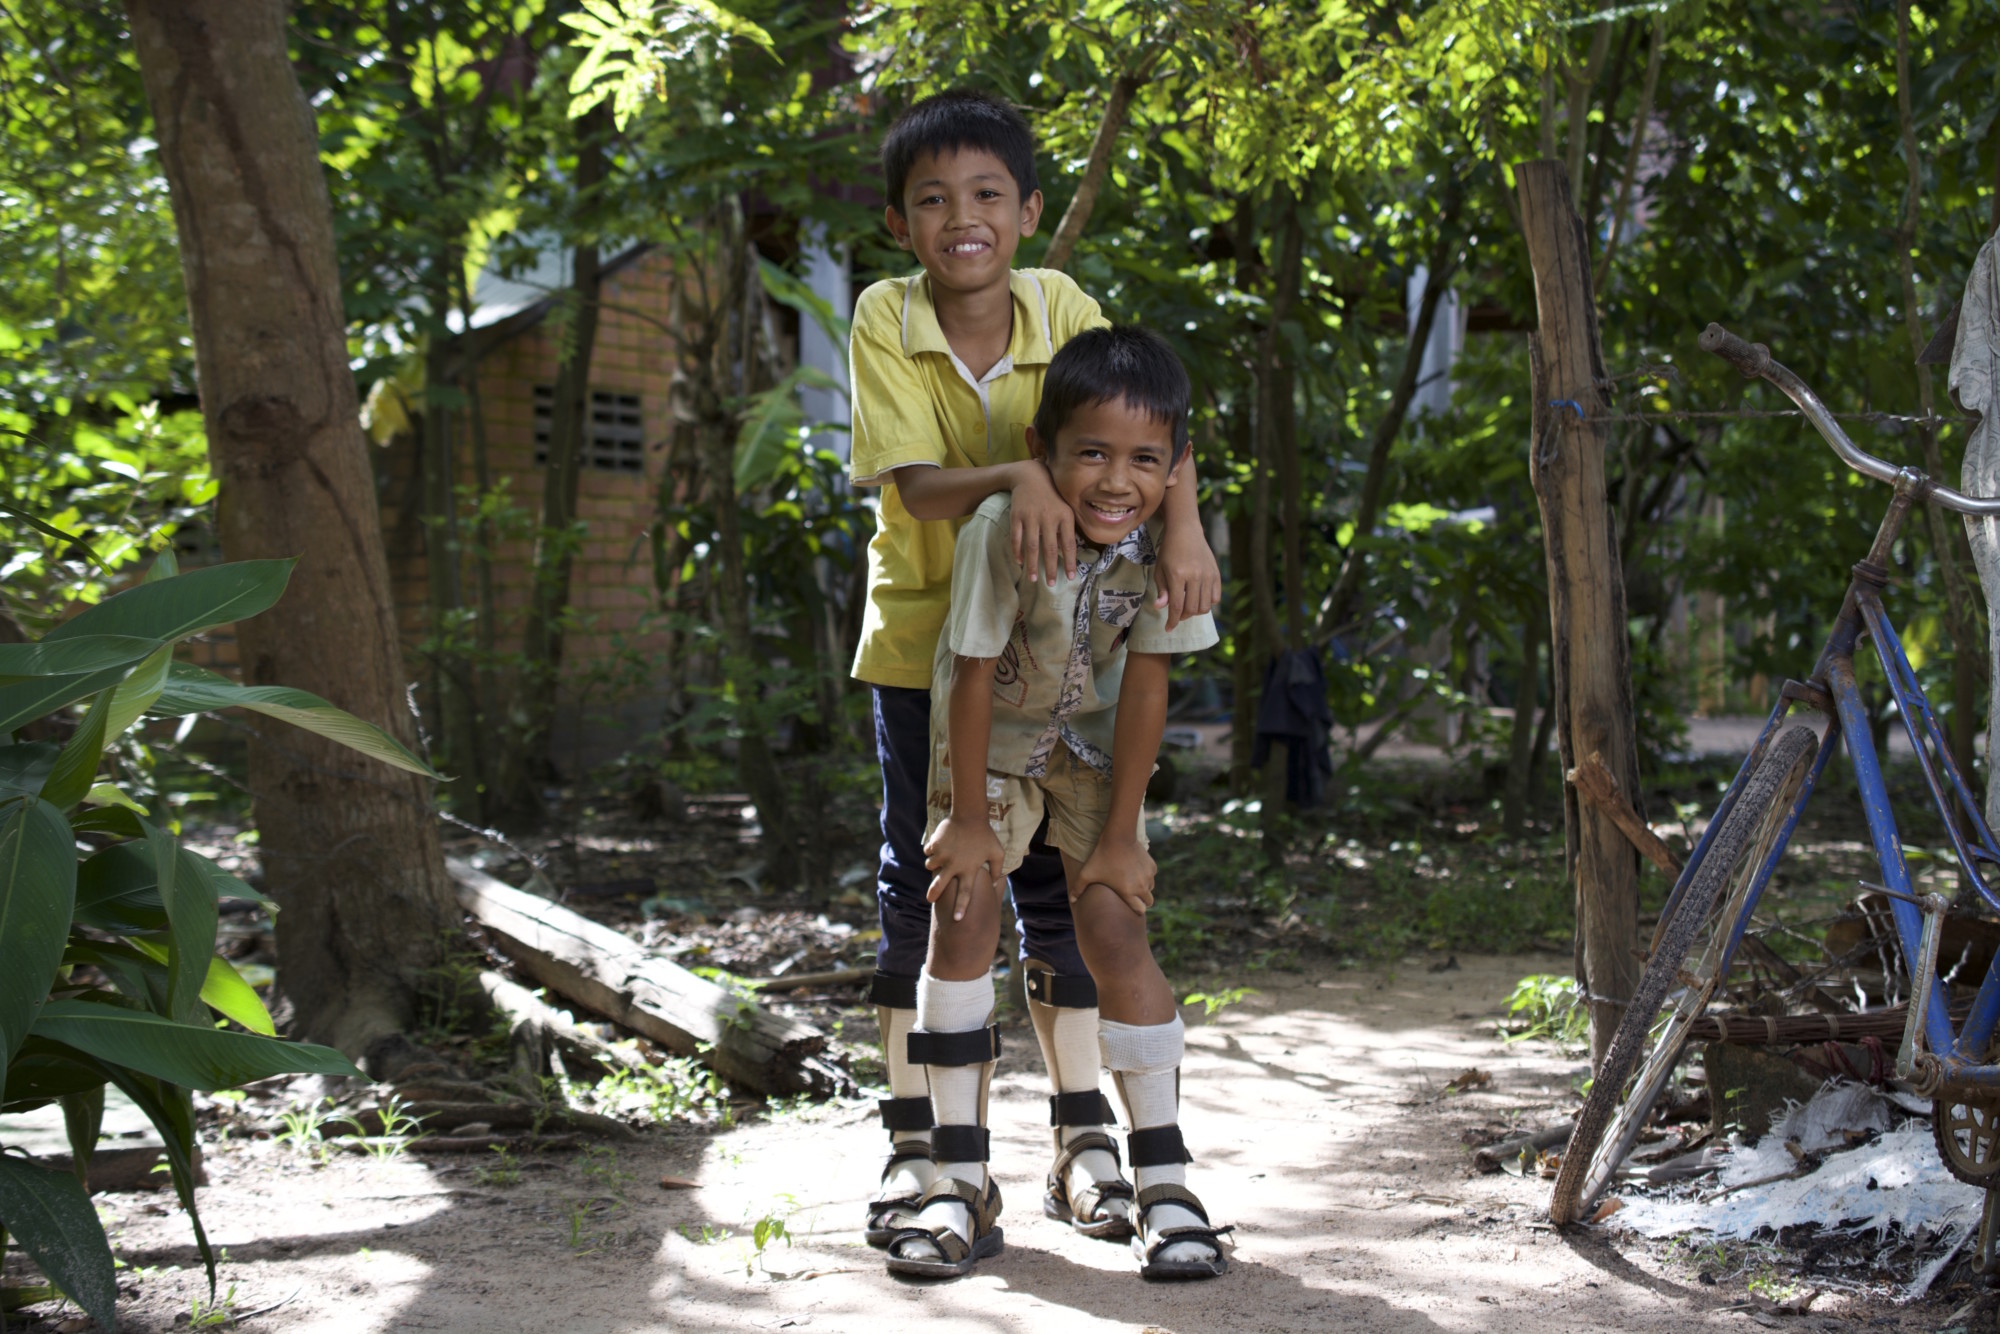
1620,1100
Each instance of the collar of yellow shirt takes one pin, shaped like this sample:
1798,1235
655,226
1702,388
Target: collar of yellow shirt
1027,345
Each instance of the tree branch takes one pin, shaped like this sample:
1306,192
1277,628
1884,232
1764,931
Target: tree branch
1641,121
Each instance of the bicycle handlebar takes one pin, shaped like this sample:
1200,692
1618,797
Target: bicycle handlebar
1754,361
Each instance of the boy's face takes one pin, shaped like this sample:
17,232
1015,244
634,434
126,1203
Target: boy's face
963,217
1111,463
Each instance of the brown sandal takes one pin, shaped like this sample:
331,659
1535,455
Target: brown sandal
1147,1244
1084,1211
884,1211
958,1255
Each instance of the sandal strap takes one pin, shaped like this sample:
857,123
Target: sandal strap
1089,1108
1163,1239
982,1204
1090,1139
961,1144
904,1150
1168,1193
951,1247
1158,1146
974,1046
1088,1201
906,1113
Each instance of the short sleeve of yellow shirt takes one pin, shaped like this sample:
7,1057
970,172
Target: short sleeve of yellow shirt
916,403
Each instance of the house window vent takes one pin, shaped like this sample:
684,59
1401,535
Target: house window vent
617,440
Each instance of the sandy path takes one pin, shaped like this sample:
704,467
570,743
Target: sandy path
1311,1108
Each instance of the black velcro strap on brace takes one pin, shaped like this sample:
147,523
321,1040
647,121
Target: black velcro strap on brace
973,1047
906,1113
898,993
1072,991
1080,1109
1159,1146
960,1144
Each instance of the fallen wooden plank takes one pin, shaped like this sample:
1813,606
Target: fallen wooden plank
1596,785
522,1006
837,977
656,998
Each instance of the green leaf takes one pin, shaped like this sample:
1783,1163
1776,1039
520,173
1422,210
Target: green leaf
73,657
44,1072
171,1111
83,1122
48,529
193,1055
37,893
37,696
77,765
51,1216
192,690
190,904
110,794
24,768
788,289
137,692
174,608
224,991
770,432
118,890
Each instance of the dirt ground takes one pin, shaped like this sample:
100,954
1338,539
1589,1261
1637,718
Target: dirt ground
1316,1108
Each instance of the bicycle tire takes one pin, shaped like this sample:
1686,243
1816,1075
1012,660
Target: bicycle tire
1622,1096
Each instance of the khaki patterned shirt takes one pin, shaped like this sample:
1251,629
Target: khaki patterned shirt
1060,651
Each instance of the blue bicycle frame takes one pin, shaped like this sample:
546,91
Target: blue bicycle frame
1939,1057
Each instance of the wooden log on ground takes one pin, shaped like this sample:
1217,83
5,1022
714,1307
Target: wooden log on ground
837,977
656,998
522,1006
1595,783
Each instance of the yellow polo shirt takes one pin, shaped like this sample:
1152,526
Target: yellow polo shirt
915,402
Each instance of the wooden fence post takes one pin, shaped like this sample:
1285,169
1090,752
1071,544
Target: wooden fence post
1593,676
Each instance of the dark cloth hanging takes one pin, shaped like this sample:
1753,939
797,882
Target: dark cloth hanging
1294,710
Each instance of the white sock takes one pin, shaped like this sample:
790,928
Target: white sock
952,1007
1146,1058
1070,1047
910,1176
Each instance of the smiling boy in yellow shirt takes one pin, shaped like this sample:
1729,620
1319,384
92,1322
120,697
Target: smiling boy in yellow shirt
947,367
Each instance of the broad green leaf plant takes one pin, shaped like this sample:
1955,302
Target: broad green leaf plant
108,922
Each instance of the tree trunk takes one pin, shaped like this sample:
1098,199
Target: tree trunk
349,847
1591,659
1274,405
1521,740
452,686
1077,216
528,764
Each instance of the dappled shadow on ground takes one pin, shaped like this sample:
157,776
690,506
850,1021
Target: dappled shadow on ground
1318,1122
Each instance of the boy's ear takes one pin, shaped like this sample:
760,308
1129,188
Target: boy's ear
899,226
1037,447
1031,213
1174,473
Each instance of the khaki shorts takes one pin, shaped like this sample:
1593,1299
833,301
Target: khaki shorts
1075,797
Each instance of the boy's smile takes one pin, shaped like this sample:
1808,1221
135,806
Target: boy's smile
963,217
1112,464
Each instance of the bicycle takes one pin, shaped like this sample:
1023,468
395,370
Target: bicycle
1712,901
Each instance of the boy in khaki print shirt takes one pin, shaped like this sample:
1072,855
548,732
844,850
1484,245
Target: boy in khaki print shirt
1048,702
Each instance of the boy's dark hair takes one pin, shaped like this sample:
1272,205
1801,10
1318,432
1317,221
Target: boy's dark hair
950,122
1125,362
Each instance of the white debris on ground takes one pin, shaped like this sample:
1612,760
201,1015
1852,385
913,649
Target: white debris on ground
1894,1180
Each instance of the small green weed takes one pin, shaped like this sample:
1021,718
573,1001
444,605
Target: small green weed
677,1089
302,1124
505,1170
1213,1003
216,1315
1550,1007
708,1234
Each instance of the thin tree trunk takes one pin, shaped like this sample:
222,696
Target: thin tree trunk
1242,638
1641,120
531,764
1961,621
451,674
1590,655
1579,106
1098,165
485,675
727,377
349,846
1521,739
1443,264
1273,438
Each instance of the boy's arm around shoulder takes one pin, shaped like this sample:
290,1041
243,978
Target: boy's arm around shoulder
1190,580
